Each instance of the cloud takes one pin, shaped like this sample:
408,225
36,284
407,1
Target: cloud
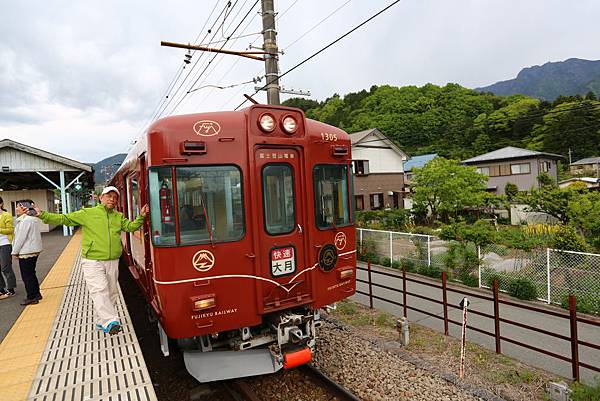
83,78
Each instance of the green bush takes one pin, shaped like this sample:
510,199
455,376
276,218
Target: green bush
567,239
522,288
368,251
385,262
396,264
468,279
408,265
502,280
581,392
586,303
431,271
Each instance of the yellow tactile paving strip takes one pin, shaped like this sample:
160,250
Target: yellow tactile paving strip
22,349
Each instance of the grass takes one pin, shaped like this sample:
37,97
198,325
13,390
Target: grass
497,373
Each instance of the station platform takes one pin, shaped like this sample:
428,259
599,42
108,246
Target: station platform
53,351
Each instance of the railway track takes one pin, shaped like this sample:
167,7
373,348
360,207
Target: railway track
242,390
340,393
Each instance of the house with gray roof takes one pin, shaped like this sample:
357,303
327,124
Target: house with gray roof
589,165
377,164
516,165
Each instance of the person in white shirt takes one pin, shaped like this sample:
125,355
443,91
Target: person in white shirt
27,246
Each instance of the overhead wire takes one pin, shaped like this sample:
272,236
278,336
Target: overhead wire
214,32
220,60
324,48
178,74
211,60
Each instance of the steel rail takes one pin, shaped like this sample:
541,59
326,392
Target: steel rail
340,393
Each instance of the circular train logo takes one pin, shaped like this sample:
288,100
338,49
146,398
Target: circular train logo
203,261
207,128
327,257
340,241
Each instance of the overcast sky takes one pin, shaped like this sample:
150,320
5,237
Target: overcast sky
82,79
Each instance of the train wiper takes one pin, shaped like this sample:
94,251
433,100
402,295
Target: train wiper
207,219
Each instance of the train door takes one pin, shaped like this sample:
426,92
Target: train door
135,238
281,238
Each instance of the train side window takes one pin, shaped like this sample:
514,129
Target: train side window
210,204
134,207
162,216
332,204
279,199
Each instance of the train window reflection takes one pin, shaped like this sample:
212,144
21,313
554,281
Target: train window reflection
278,199
331,195
210,204
162,209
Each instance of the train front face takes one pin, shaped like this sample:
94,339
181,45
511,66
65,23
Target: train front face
252,233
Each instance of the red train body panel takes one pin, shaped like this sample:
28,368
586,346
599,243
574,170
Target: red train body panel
248,222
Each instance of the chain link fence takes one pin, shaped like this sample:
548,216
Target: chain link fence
554,273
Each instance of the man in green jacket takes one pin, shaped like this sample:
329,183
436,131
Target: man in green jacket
100,251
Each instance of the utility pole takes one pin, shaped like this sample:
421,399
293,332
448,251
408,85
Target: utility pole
570,161
270,48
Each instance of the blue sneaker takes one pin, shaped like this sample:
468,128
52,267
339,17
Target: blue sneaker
113,328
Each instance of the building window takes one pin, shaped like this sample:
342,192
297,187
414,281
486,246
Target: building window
544,166
376,201
505,169
361,167
359,200
521,168
483,170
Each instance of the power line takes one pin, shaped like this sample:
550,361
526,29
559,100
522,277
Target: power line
324,48
215,56
199,58
315,26
178,74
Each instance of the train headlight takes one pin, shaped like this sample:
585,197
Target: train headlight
345,274
266,122
205,303
290,125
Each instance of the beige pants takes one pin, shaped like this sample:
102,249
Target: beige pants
101,278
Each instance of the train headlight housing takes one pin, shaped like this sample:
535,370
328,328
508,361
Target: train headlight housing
266,122
345,274
289,124
204,303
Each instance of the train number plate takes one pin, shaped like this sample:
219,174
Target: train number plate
283,261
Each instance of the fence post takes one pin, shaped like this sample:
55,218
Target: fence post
391,249
497,316
548,273
405,309
428,250
479,264
574,339
360,236
445,303
370,286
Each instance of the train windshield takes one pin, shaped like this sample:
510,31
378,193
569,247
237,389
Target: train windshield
209,202
332,207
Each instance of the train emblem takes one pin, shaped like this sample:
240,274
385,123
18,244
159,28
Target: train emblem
203,260
207,128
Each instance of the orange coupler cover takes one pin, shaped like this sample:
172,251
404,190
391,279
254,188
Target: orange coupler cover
297,358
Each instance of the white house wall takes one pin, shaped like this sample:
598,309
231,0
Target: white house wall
380,160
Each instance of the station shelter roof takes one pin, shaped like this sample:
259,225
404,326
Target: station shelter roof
20,163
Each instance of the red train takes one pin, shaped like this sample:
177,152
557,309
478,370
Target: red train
250,233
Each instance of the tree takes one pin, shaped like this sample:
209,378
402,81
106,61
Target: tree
445,187
584,213
511,190
553,200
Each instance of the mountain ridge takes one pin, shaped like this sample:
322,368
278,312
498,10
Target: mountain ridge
573,76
